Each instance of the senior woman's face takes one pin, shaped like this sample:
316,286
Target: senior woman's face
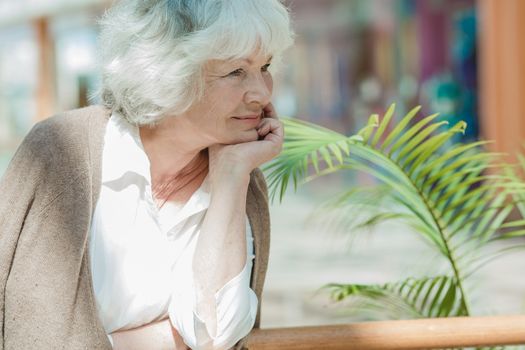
236,92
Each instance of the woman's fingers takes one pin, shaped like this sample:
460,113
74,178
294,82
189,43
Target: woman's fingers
270,126
264,127
269,111
277,128
273,129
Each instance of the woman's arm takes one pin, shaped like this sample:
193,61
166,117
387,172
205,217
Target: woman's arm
153,336
220,253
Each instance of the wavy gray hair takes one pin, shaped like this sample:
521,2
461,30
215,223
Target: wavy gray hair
153,51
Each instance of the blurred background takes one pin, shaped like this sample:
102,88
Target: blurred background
461,58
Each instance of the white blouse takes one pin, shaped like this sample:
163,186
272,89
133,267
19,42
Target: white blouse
141,257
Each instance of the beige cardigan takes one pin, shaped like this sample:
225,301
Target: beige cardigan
47,198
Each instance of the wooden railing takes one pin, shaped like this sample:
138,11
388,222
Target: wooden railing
435,333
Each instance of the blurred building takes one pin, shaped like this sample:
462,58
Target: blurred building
354,58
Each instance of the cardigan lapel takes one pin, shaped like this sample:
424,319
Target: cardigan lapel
258,215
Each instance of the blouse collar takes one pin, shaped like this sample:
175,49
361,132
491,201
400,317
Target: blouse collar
123,151
125,163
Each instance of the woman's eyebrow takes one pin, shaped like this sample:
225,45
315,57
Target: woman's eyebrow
250,61
225,65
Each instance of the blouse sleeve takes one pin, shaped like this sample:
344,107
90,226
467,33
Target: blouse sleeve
236,307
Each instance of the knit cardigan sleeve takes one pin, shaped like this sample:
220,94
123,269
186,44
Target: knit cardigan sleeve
17,190
46,198
257,209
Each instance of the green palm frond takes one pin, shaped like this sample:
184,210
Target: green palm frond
411,298
520,197
452,195
518,174
306,145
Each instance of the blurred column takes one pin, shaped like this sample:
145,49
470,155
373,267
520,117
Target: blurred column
502,73
46,70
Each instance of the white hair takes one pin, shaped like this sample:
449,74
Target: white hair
153,51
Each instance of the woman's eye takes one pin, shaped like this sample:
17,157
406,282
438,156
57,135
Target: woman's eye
236,73
239,72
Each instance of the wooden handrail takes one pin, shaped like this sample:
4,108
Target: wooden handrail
437,333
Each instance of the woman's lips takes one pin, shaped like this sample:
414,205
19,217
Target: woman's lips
252,120
244,117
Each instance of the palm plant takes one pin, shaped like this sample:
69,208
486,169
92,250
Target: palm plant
452,195
518,173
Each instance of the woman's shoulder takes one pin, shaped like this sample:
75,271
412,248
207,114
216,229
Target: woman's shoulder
73,122
66,138
67,129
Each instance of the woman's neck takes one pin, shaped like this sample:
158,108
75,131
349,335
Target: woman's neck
178,163
171,145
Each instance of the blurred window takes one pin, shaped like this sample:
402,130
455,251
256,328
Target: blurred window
18,74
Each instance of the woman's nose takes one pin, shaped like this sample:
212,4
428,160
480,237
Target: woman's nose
259,90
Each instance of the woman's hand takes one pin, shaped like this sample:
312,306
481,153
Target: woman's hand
241,159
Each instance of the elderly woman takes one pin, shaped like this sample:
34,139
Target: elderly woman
144,224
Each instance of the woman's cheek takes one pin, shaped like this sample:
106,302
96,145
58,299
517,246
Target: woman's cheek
268,79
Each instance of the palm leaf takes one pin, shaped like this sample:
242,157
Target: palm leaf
517,173
305,145
420,298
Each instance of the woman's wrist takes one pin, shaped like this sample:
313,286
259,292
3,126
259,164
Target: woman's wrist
232,177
